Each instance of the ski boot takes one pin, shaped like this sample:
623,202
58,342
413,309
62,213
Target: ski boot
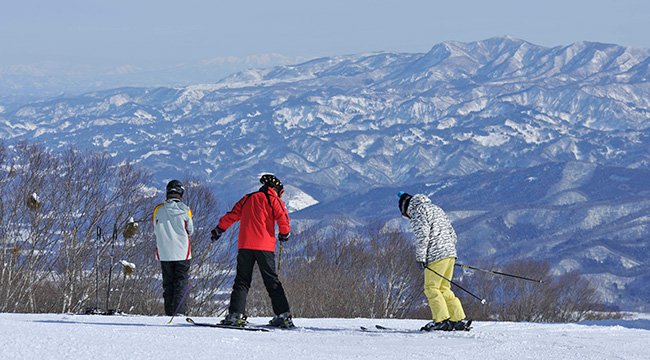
444,325
461,325
283,321
235,319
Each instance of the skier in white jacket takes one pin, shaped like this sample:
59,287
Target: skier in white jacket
435,252
173,226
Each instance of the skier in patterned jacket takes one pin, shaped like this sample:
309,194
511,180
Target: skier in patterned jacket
435,252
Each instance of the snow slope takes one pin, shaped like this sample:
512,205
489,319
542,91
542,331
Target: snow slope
59,336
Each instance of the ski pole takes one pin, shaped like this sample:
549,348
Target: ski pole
190,284
279,259
483,301
99,238
499,273
110,269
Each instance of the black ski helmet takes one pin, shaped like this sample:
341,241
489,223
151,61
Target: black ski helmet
404,201
271,181
175,187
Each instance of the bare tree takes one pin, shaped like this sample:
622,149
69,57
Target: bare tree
395,282
26,243
133,202
80,202
52,204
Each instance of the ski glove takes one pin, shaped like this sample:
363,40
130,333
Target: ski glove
422,264
283,237
216,233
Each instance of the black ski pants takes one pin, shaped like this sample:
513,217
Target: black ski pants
175,276
246,260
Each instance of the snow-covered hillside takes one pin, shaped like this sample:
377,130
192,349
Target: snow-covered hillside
352,122
73,337
535,152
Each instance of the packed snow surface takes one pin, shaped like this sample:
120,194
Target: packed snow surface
61,336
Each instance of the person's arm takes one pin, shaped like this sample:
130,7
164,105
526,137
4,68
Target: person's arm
189,223
233,215
155,212
281,216
421,230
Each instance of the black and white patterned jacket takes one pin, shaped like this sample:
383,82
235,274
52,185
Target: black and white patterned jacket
435,238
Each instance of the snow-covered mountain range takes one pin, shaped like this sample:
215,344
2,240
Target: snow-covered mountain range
534,151
30,82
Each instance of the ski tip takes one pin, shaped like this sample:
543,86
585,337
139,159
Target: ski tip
483,301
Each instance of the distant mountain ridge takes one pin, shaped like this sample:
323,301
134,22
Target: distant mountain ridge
33,82
541,129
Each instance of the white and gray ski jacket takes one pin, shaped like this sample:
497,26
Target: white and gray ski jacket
435,238
173,225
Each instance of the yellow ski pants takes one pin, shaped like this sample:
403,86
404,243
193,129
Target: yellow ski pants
442,301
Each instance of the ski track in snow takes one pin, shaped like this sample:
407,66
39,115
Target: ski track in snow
65,336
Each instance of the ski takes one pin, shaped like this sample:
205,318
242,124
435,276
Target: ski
222,326
276,327
365,329
468,327
380,328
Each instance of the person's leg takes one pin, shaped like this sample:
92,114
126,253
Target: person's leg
181,281
433,284
243,278
454,306
168,286
266,262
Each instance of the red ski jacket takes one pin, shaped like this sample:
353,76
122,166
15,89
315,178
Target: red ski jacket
258,213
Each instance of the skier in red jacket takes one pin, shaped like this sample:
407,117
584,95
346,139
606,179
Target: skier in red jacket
258,212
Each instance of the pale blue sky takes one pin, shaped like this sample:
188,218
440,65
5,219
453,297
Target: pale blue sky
159,33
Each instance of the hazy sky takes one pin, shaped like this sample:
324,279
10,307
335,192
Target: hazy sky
160,33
